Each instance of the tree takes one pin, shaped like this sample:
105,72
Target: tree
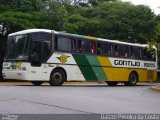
155,41
5,2
118,20
3,37
4,8
96,2
17,20
55,15
24,5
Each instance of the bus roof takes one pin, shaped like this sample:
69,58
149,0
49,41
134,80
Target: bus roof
76,36
100,39
30,31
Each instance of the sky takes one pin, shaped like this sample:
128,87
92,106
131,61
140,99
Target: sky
153,4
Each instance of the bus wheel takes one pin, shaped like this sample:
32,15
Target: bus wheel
57,78
133,79
111,83
37,83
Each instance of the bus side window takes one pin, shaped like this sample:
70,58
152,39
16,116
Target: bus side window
112,50
130,52
105,48
108,50
132,55
126,51
144,54
115,50
46,50
98,48
63,44
121,51
136,52
35,51
79,46
73,45
93,47
147,55
56,43
86,46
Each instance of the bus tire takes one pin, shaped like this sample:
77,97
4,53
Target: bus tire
57,78
111,83
37,83
133,79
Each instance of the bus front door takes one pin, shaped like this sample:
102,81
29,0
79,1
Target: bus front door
40,53
35,61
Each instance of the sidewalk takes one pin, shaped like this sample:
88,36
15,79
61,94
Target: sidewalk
156,87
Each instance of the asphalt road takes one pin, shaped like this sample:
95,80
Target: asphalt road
78,99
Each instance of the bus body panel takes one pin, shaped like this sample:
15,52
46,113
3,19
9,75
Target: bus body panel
82,66
79,68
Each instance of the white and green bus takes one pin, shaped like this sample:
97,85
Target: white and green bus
40,55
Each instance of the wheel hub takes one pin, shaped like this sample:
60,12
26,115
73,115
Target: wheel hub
57,76
133,79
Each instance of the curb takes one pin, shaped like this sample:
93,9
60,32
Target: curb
156,88
29,83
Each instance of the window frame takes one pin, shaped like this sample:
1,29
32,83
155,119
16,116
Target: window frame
98,48
56,43
25,50
42,45
78,49
135,48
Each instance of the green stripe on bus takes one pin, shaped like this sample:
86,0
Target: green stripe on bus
85,67
96,68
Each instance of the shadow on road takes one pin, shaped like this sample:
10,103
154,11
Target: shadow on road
75,85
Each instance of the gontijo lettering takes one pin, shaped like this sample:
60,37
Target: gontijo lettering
126,63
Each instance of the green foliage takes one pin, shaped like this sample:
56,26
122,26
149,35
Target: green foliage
151,45
26,5
96,2
118,20
17,20
56,16
155,41
4,8
109,19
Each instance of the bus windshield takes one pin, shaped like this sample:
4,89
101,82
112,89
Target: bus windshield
17,48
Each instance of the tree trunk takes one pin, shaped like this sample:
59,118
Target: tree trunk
1,60
2,53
